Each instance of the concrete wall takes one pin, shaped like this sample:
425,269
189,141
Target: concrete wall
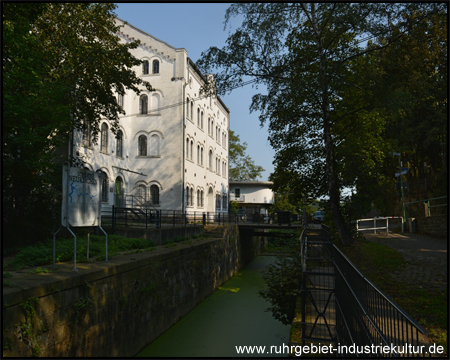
433,225
117,309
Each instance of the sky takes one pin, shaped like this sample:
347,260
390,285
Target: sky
196,27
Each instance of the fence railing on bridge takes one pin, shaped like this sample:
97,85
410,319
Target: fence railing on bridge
340,304
145,218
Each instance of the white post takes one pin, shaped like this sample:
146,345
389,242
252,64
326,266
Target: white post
374,225
387,226
402,225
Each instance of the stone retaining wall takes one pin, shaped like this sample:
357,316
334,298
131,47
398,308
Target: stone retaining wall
116,309
433,226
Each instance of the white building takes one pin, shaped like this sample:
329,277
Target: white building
252,196
171,152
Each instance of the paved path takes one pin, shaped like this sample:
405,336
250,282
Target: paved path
426,257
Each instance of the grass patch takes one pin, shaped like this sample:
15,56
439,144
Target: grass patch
42,253
427,307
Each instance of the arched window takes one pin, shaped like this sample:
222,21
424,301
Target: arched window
187,196
187,107
224,169
104,138
198,154
119,144
209,125
192,111
142,145
119,202
141,194
198,117
120,100
154,194
224,202
217,202
105,187
201,156
192,196
210,160
212,128
154,145
145,67
187,148
192,150
201,120
143,104
87,138
155,68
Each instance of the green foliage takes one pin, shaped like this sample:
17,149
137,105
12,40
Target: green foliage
62,67
283,281
240,163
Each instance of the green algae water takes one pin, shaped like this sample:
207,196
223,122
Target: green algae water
234,315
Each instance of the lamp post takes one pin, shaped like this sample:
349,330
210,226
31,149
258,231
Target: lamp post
401,185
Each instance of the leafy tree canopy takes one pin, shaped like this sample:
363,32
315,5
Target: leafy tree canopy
241,164
306,55
62,67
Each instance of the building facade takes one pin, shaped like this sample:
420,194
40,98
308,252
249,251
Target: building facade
171,152
252,196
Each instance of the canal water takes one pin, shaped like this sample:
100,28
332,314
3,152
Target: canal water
234,315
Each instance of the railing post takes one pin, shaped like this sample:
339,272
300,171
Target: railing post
387,226
374,225
204,219
113,219
146,218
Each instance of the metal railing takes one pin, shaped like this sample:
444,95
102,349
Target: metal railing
365,316
426,202
375,228
340,304
144,218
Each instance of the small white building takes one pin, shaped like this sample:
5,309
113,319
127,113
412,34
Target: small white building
171,151
252,196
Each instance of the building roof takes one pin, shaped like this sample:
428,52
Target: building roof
251,183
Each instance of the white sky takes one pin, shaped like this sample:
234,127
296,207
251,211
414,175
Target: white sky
196,27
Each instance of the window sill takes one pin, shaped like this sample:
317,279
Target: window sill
159,114
90,147
104,152
148,156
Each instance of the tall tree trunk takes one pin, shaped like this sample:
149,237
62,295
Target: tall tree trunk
333,188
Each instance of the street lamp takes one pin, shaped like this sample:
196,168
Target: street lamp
401,184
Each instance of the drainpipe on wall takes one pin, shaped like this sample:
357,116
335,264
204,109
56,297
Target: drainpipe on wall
183,143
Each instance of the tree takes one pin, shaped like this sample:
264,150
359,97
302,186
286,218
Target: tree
241,164
304,54
62,66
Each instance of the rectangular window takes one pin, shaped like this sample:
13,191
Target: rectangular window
237,193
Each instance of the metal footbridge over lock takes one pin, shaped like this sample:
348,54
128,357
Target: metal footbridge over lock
340,305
